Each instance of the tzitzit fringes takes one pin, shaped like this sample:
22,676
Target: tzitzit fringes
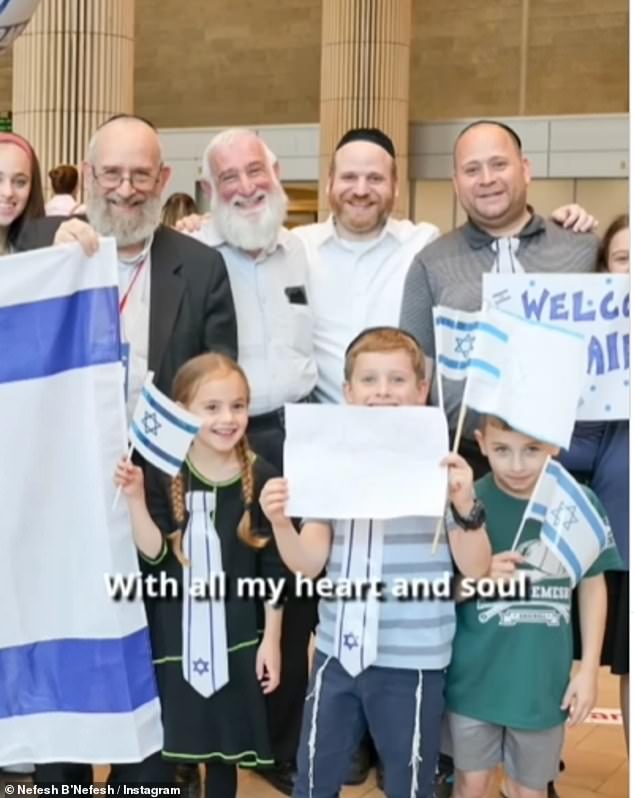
416,758
312,737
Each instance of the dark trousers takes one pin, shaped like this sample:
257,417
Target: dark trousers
153,770
383,701
285,705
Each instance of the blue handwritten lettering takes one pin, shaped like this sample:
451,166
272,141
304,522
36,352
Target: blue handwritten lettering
578,313
558,310
611,342
606,312
595,356
532,307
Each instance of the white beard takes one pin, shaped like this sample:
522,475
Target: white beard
255,232
129,230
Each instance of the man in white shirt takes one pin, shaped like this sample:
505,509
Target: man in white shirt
268,272
359,257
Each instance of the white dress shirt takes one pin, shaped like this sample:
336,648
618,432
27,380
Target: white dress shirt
274,317
354,285
135,325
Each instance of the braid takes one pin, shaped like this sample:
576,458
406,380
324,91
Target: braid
245,533
177,497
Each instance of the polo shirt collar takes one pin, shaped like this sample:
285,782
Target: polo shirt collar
477,238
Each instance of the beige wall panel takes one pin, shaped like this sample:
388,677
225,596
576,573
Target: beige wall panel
465,58
434,203
577,57
547,195
605,199
227,62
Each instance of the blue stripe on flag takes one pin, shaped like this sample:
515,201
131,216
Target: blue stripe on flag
568,554
538,510
85,676
178,422
168,458
568,484
470,326
462,365
39,339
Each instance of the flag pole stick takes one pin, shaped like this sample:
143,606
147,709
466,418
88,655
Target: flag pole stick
456,444
118,493
523,521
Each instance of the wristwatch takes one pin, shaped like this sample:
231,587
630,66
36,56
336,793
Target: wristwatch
474,520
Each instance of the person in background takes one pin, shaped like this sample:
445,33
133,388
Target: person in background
64,180
599,456
176,207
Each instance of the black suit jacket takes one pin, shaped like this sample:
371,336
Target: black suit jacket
191,305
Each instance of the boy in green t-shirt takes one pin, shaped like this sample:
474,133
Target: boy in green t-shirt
509,690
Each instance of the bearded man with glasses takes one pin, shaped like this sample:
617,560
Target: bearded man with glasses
175,297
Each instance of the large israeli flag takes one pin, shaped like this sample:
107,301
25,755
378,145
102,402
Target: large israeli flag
161,430
76,678
571,527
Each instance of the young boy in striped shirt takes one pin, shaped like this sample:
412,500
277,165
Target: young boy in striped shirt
388,679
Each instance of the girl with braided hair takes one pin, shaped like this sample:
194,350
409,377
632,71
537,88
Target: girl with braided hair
204,528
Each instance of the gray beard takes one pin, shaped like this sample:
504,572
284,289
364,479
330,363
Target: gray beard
255,233
126,231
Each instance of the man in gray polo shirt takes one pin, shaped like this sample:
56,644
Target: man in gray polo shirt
502,234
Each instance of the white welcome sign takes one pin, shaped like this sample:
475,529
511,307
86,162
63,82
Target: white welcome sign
596,305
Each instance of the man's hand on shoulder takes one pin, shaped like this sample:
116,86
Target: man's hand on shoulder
191,223
574,217
76,231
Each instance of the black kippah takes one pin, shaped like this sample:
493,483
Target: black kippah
371,134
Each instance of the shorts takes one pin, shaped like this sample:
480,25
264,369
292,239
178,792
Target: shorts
531,758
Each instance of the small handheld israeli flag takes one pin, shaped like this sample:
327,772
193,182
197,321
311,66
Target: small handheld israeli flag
161,430
571,527
456,333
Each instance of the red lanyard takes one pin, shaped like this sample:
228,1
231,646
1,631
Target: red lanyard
137,272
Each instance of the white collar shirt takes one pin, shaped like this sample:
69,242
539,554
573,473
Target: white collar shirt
135,325
274,318
354,285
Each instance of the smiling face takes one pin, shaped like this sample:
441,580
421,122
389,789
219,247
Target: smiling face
385,379
491,178
361,189
248,202
222,403
125,179
15,182
516,460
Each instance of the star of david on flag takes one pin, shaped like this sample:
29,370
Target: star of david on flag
571,526
161,430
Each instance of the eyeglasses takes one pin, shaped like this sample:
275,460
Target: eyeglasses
139,179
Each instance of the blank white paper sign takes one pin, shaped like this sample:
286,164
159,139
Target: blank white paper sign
345,461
